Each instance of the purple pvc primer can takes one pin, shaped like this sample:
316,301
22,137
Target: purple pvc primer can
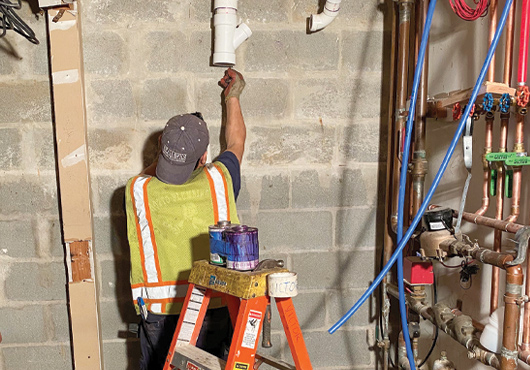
242,247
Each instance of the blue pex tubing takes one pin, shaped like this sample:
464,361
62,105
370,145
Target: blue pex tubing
461,125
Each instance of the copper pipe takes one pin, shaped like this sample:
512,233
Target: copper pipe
509,227
419,162
401,99
512,311
525,345
518,147
508,53
490,76
488,142
495,274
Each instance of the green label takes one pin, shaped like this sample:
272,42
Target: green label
518,161
497,157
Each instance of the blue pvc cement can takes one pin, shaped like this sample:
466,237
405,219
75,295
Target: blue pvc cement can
217,243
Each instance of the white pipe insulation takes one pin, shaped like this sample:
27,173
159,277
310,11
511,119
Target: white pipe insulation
228,36
321,20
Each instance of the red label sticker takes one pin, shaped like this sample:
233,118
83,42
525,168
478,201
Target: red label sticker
190,366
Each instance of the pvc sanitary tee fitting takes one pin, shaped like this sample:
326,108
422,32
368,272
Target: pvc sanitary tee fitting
228,36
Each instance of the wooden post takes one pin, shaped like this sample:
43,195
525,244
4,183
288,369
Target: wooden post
66,60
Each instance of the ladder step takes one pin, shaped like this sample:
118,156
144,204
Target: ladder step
188,357
274,362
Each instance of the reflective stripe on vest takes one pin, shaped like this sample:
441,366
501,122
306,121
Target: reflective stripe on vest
146,237
218,187
161,292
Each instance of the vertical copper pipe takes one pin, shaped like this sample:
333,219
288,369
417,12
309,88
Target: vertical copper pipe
488,142
525,345
401,98
490,76
514,284
508,53
518,147
419,169
503,143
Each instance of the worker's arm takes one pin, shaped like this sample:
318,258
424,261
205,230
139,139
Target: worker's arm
235,130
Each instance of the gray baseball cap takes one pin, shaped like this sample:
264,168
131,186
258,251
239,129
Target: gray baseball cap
184,140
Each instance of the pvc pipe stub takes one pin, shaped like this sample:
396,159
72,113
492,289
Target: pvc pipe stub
283,284
225,4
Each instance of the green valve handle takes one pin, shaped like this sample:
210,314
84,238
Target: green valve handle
493,183
500,156
518,161
508,184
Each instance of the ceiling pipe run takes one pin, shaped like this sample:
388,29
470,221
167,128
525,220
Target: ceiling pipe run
228,35
322,20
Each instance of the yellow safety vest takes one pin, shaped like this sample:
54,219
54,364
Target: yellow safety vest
167,228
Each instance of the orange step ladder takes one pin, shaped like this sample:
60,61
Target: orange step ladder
247,299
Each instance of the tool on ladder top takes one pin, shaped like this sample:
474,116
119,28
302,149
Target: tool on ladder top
248,296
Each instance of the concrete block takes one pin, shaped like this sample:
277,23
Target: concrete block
53,238
289,145
22,325
44,147
338,98
105,53
198,57
363,142
27,101
61,323
110,191
30,281
339,302
10,149
325,270
210,100
115,316
7,63
40,55
264,192
18,239
256,11
362,50
111,100
133,12
110,148
28,195
310,310
201,11
55,357
115,276
312,189
163,99
302,231
265,98
111,235
357,227
166,50
122,354
290,50
344,348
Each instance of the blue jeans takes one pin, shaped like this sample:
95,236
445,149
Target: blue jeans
156,334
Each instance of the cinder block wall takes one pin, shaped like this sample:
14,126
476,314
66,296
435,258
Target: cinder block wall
312,173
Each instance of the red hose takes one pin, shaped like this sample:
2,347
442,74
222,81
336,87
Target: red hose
468,13
523,42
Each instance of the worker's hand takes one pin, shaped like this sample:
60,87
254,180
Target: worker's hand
233,83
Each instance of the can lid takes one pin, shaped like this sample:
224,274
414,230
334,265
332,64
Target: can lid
223,223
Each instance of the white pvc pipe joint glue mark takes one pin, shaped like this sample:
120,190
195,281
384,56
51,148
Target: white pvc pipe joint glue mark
283,284
228,35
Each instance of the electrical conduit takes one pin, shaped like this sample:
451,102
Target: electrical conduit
438,176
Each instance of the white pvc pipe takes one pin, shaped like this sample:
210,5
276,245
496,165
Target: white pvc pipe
228,36
321,20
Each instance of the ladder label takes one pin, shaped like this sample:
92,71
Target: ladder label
240,366
191,366
251,330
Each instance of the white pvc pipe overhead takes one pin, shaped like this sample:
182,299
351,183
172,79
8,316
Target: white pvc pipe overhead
228,36
321,20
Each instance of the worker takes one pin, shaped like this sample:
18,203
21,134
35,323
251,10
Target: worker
169,208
